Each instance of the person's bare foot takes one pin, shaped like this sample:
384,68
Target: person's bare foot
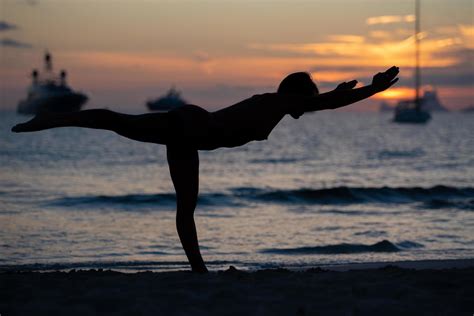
200,270
38,123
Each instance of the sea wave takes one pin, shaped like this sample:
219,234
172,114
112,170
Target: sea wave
467,204
345,194
276,160
165,198
396,154
344,248
160,199
435,197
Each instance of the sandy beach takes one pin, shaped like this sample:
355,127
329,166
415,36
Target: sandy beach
410,288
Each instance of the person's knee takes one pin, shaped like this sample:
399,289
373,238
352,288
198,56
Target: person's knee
186,211
184,222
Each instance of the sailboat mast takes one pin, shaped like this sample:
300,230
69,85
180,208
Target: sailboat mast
417,54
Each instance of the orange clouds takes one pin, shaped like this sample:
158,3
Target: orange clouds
340,57
396,93
347,38
388,19
336,76
467,35
356,51
137,53
340,52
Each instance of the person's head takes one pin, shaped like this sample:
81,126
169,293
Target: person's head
298,83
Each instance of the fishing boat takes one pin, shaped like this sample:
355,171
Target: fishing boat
49,92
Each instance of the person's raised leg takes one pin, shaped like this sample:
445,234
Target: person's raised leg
184,170
97,118
151,127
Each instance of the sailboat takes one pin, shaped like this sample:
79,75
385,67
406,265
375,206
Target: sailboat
411,111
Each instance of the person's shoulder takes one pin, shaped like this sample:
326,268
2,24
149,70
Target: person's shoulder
264,100
276,100
267,97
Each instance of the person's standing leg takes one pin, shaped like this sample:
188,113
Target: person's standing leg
184,170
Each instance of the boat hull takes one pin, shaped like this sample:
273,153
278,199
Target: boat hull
412,116
60,103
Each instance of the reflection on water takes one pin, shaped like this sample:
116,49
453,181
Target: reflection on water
74,197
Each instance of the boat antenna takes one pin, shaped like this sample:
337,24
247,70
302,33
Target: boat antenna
417,55
48,62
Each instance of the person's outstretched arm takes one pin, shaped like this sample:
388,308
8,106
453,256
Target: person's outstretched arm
341,96
346,85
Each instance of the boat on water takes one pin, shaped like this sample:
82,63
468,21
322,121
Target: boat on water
171,100
469,109
49,92
413,111
429,102
410,111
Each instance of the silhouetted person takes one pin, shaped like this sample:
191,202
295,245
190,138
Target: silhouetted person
189,128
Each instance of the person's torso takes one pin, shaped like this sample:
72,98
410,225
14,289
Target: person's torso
248,120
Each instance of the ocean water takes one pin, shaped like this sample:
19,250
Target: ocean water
329,188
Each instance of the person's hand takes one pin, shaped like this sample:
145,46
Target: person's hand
346,85
384,80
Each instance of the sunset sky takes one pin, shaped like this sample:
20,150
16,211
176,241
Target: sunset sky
122,53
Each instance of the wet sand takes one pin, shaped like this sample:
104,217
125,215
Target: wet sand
409,288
